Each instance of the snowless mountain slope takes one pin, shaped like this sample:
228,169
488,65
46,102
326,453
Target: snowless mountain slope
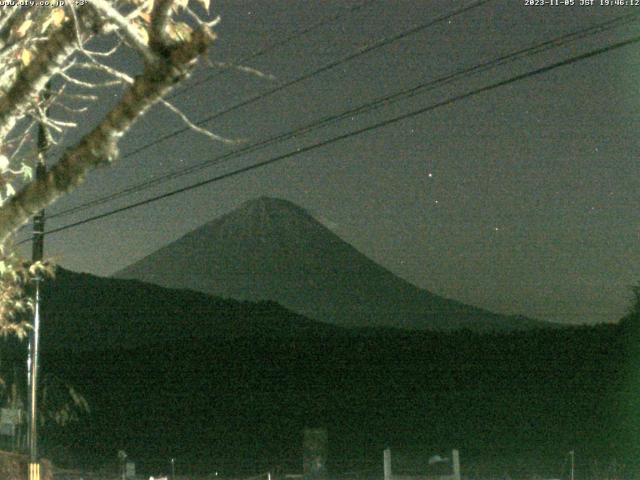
271,249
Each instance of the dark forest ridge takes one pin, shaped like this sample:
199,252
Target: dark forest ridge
272,249
86,312
229,384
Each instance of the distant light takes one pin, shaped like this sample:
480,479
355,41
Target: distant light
430,175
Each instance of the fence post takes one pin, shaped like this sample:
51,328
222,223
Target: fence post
455,463
388,475
314,453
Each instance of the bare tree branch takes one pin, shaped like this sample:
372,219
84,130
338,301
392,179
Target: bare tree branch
85,84
23,139
123,77
47,61
245,69
159,19
14,16
38,44
100,145
108,53
125,27
194,127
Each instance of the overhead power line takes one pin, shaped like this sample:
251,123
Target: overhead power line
375,46
360,131
360,52
364,108
276,45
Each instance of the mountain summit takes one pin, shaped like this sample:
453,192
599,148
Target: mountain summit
272,249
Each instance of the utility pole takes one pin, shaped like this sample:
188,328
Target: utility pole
34,338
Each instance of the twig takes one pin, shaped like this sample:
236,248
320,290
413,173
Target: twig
245,69
128,79
82,83
77,24
47,61
23,140
195,127
99,146
125,27
108,53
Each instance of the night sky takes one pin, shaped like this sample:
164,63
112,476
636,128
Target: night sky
523,199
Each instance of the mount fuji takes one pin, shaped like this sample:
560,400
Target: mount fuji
272,249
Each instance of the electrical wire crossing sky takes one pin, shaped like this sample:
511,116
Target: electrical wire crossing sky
482,150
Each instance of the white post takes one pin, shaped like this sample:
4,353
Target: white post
455,463
388,475
572,453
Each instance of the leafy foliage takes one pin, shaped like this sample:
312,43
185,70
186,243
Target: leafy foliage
61,402
15,277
